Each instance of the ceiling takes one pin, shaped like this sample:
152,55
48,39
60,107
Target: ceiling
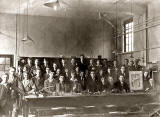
76,8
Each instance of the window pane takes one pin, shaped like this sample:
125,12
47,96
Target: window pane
127,31
8,61
128,36
126,48
127,26
129,48
2,60
7,67
1,72
2,67
127,41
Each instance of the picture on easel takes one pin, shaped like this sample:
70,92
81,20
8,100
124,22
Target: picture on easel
136,80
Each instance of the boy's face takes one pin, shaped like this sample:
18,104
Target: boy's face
122,68
91,61
36,62
81,57
92,74
24,69
72,61
115,63
63,61
61,78
51,74
81,74
54,65
101,72
38,72
12,71
72,75
110,79
98,62
66,70
126,62
47,70
25,75
77,69
4,78
19,69
58,71
29,61
109,70
121,78
103,80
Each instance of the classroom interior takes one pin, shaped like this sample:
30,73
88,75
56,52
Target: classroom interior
112,32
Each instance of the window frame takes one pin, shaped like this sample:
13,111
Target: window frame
126,31
11,57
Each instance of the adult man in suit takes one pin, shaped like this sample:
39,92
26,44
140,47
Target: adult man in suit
4,95
16,88
82,64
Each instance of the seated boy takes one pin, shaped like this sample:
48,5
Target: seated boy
110,84
121,86
103,84
28,85
60,86
75,83
50,84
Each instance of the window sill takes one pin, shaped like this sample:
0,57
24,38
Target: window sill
123,53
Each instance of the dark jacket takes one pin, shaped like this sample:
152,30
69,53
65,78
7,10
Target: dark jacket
121,88
93,85
38,82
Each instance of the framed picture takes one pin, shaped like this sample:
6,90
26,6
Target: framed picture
136,80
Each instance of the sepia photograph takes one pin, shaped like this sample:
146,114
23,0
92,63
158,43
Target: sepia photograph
79,58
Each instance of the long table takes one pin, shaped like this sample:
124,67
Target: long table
95,103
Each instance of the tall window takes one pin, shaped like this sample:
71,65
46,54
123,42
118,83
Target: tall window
5,62
128,36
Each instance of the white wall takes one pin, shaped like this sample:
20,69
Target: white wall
55,36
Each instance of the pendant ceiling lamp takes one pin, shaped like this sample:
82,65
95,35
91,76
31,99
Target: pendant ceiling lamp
54,4
57,4
27,37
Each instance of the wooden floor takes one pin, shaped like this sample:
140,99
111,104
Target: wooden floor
130,105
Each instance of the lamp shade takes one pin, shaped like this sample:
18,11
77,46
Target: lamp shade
27,38
55,5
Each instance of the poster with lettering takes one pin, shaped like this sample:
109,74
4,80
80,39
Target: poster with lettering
136,80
